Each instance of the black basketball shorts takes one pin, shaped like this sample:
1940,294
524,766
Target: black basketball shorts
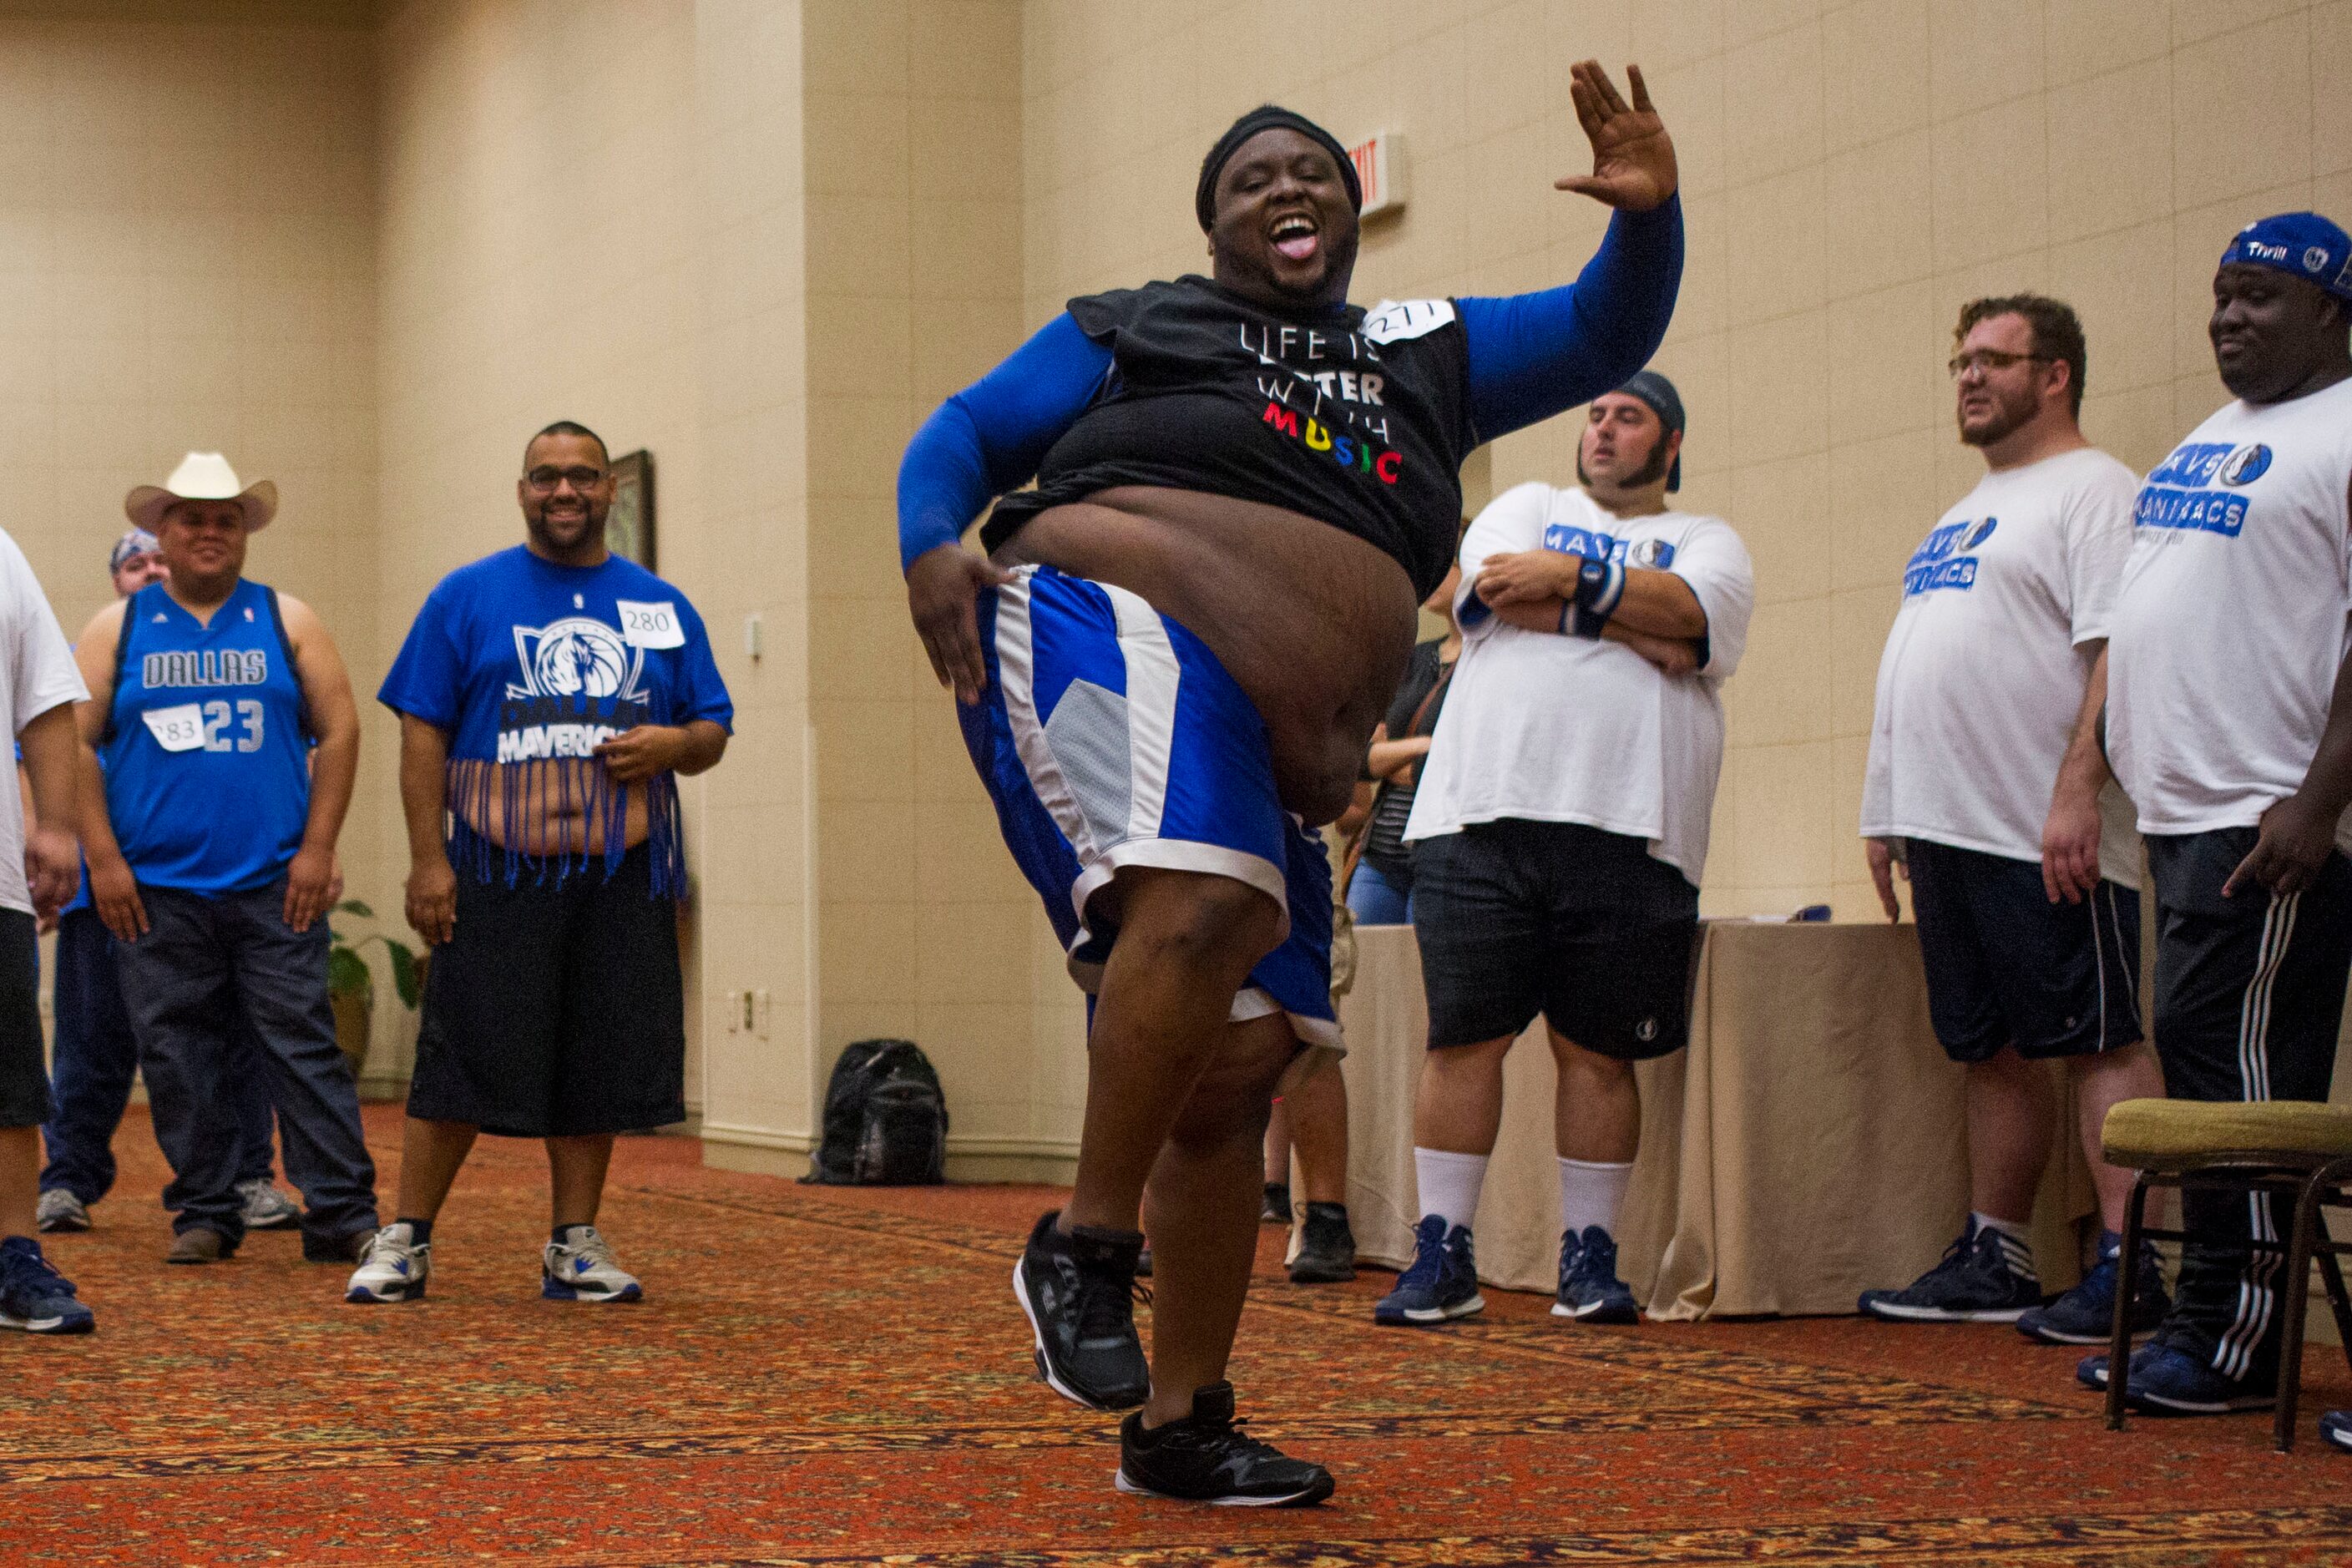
23,1075
556,1008
1586,927
2005,965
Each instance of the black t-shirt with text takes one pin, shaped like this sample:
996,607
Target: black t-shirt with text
1360,422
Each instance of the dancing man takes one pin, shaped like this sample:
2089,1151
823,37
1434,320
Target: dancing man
1169,667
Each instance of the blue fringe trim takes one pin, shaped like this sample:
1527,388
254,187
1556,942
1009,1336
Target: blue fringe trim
527,798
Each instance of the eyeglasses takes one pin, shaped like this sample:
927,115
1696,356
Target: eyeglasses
1990,360
546,480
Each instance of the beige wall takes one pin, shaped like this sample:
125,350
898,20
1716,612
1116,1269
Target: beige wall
186,260
1851,172
913,165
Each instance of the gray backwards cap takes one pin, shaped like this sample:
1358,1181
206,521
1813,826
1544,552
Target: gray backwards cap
1665,403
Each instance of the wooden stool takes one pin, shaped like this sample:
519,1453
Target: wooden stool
2297,1148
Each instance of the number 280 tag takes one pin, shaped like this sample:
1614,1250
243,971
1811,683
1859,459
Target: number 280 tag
650,624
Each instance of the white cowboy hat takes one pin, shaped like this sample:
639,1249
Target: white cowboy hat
202,476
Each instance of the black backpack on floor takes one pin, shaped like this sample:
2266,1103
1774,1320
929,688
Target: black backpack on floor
886,1119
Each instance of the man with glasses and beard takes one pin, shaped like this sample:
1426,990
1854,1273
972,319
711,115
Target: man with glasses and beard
549,698
1986,782
2230,721
1559,830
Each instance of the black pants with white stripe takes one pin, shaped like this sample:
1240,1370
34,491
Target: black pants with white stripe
2249,995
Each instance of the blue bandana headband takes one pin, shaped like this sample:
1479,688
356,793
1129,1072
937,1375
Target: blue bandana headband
138,542
2301,245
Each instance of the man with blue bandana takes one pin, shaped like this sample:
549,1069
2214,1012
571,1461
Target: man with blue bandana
1559,830
2229,724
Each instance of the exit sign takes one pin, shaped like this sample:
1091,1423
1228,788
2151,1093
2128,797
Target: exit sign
1379,167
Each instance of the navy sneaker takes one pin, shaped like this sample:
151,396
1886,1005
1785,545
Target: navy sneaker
1443,1282
1273,1207
1206,1457
1079,1293
1589,1291
35,1297
1984,1278
2336,1428
2087,1314
2170,1379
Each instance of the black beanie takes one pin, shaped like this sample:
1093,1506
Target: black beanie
1267,117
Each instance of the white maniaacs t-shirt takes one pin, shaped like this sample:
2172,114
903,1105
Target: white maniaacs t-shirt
1982,678
1546,728
36,674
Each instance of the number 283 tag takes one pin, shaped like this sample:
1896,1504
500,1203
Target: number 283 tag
650,624
179,729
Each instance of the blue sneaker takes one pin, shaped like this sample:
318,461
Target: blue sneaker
1443,1282
2087,1314
1986,1277
1589,1291
2336,1428
35,1297
2167,1379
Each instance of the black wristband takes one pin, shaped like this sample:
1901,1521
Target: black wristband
1586,623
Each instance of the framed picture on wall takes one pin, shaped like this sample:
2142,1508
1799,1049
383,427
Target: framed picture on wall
629,528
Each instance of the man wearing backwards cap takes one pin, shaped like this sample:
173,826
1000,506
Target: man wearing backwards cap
95,1056
2229,724
1558,831
210,829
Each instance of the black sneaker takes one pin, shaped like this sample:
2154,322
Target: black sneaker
1078,1292
1276,1209
1984,1278
2087,1314
1327,1248
1207,1458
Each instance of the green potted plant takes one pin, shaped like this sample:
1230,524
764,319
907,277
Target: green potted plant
351,984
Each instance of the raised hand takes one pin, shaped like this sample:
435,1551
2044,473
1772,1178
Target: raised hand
1632,156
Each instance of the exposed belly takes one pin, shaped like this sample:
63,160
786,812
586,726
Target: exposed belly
551,805
1315,624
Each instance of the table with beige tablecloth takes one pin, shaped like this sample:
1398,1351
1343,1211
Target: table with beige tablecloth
1809,1144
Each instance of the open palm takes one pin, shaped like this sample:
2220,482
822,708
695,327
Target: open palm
1632,156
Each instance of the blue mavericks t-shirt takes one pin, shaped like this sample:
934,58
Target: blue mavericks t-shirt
520,661
207,762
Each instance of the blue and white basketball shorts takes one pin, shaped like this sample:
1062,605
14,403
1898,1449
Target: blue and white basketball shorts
1110,736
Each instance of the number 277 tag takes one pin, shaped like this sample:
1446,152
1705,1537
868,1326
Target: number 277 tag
650,624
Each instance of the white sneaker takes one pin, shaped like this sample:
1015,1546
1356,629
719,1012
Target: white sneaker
393,1269
59,1209
585,1270
266,1208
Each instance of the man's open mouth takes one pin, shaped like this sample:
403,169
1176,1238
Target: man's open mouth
1295,237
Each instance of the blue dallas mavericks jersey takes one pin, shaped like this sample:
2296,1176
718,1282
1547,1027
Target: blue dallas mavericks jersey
207,764
521,661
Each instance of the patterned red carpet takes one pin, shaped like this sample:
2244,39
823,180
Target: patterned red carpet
832,1377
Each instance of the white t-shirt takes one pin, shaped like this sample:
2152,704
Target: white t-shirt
38,675
2232,622
1982,678
1546,728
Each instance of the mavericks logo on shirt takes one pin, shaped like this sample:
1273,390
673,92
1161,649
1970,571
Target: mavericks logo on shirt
571,670
1939,561
2174,495
1657,554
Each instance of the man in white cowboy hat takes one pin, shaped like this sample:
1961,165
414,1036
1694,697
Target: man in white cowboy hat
208,690
93,1056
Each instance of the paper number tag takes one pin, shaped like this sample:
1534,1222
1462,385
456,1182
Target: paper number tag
650,624
179,729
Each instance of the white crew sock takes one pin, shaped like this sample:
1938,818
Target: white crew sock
1449,1184
2016,1244
1590,1194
